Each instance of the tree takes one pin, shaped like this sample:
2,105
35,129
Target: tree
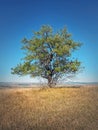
49,55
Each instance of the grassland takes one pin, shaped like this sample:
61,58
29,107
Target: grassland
49,109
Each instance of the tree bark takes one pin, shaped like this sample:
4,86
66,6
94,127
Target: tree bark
50,83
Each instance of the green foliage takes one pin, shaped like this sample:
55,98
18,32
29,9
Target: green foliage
48,55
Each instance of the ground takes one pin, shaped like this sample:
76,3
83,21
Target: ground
74,108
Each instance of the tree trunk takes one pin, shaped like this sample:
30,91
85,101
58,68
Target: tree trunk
50,82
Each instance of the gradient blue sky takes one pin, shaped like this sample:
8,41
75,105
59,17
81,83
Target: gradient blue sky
19,17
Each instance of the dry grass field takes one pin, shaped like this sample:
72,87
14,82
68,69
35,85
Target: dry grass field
49,109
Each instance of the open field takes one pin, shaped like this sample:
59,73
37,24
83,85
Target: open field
49,109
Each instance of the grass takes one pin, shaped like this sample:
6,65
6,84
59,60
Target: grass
49,109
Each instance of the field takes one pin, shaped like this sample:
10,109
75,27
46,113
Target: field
74,108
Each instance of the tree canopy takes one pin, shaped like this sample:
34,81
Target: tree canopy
48,55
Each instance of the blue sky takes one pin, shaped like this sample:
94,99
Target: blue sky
19,17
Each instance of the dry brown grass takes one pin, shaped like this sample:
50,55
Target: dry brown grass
49,109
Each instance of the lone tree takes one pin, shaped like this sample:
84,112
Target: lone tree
48,55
